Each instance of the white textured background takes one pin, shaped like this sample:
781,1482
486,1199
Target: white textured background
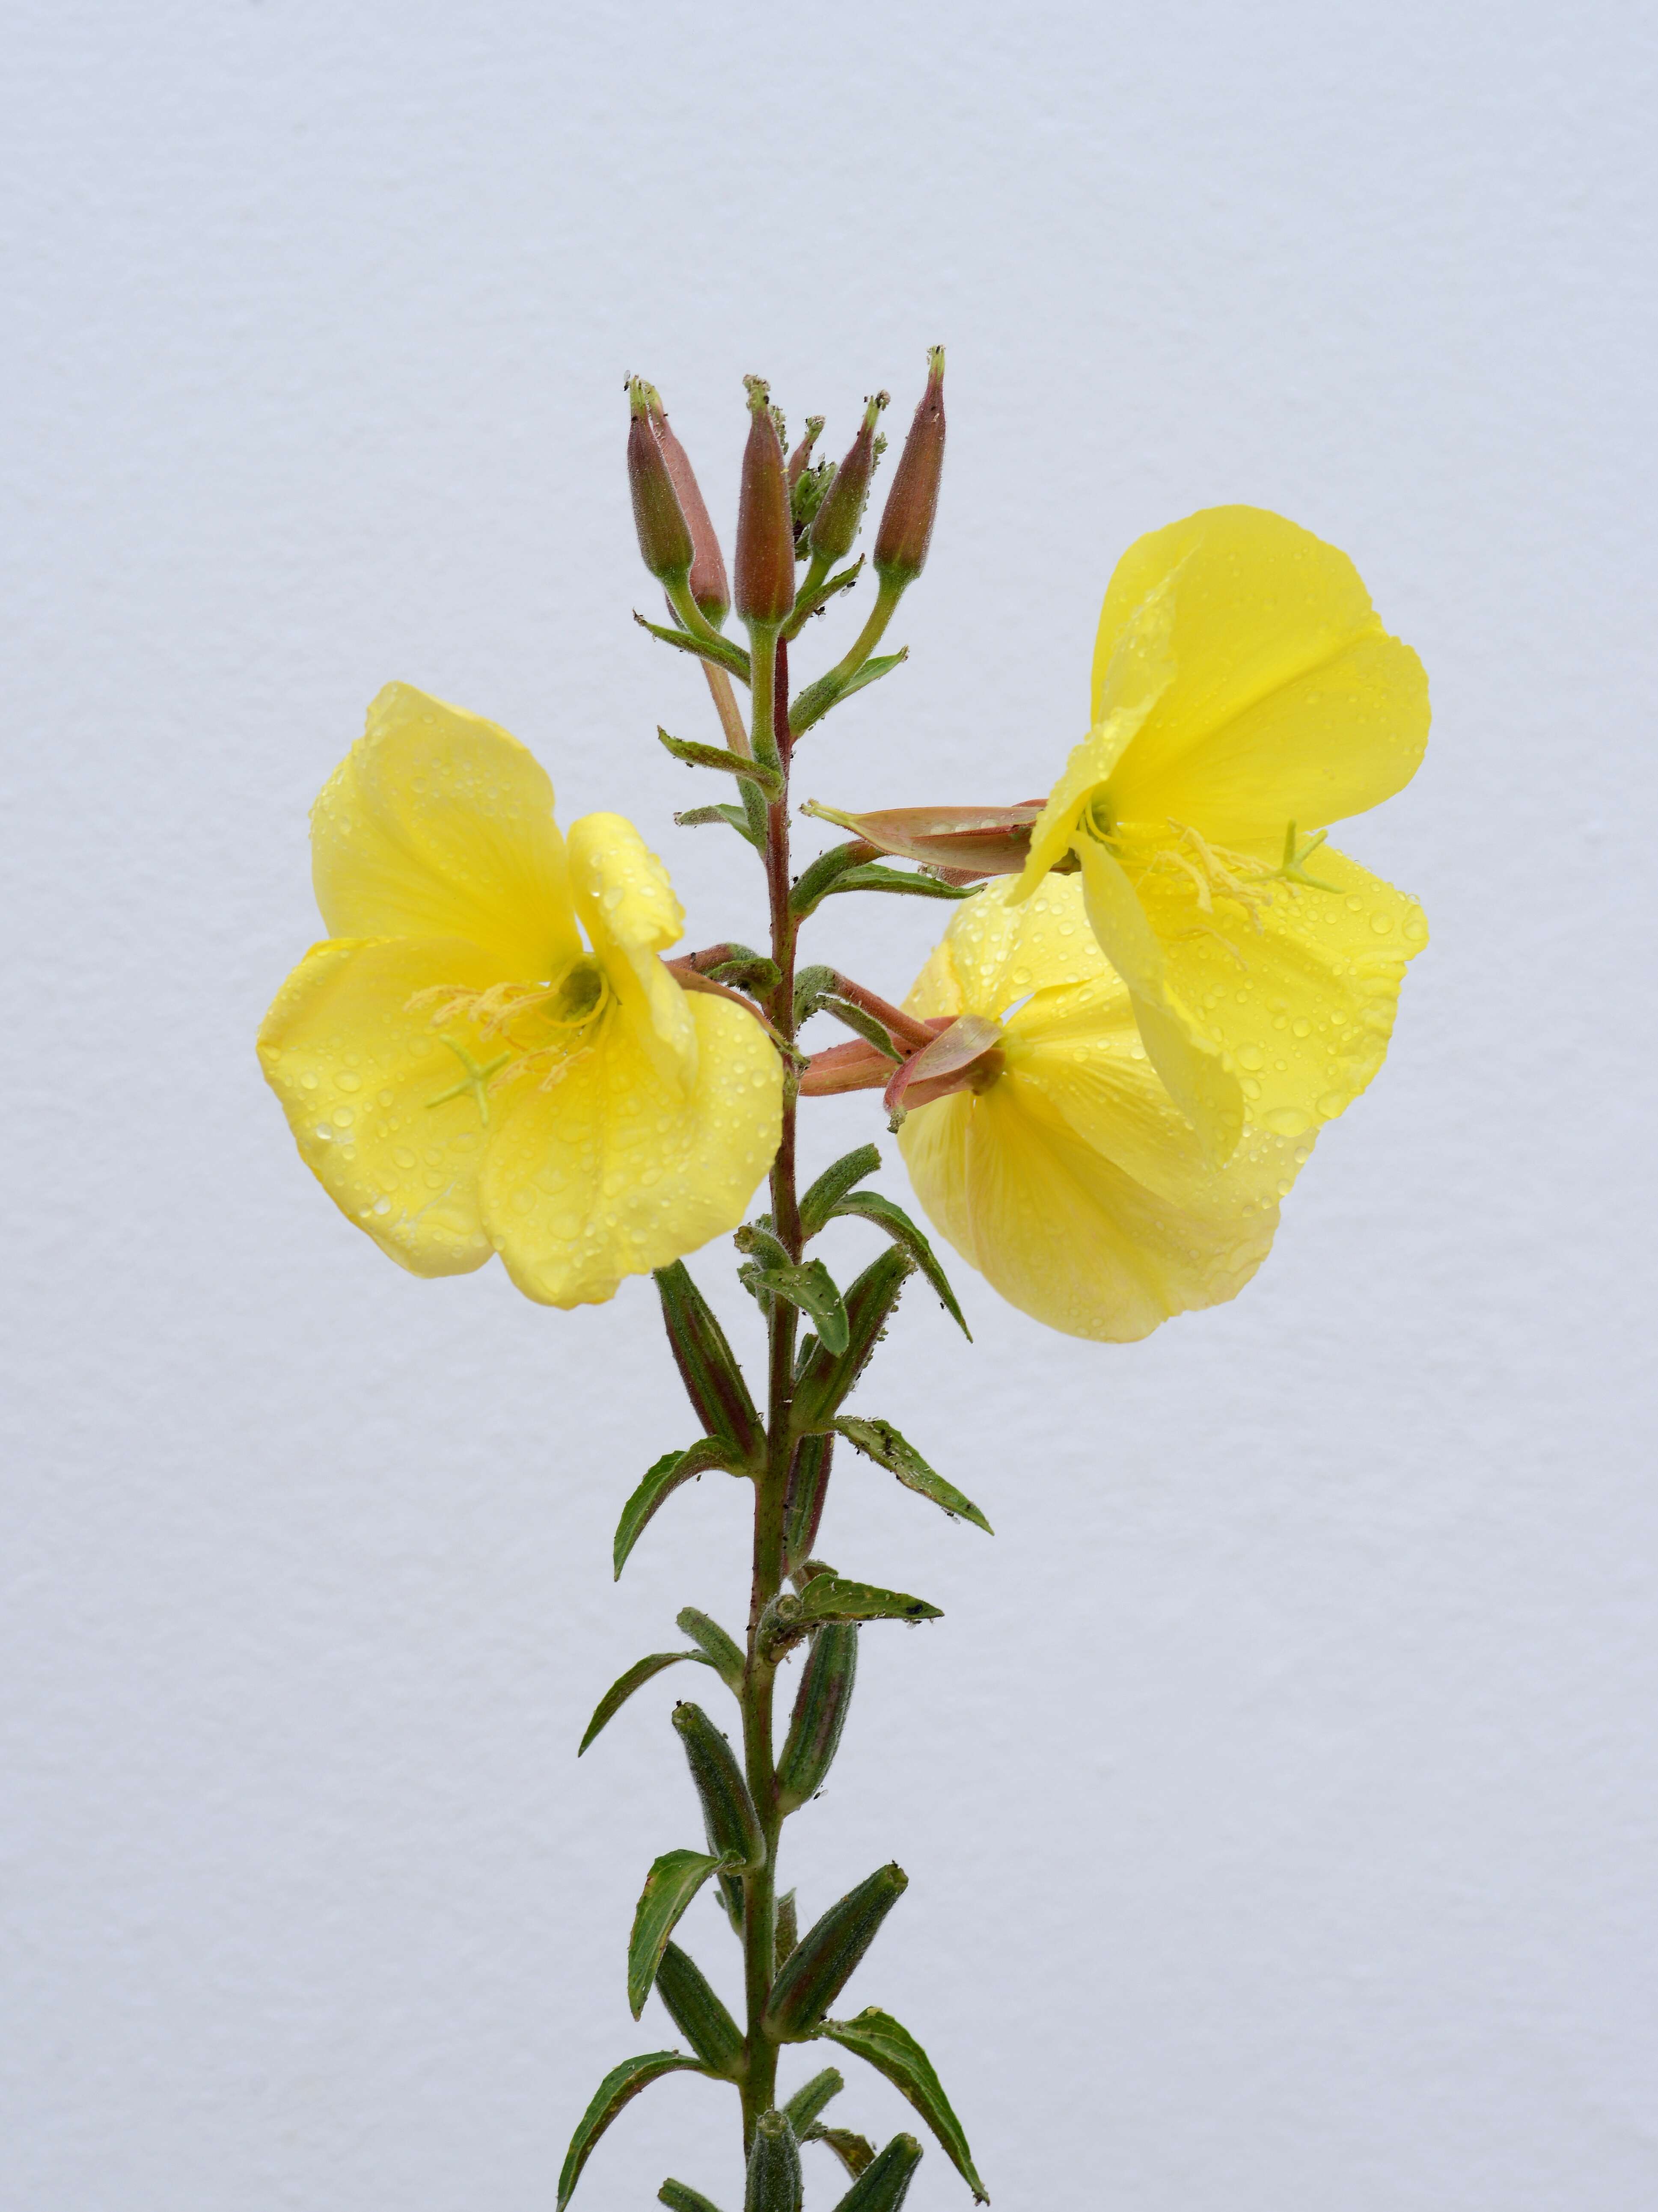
1278,1793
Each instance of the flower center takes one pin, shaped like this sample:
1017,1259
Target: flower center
544,1027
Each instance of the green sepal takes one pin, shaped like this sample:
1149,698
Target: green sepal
774,2174
722,1652
828,1954
717,649
698,2012
660,1483
855,2151
819,1715
876,876
877,2038
734,817
672,1883
816,699
785,1930
622,1689
734,1834
884,2182
771,1274
618,2087
713,1381
696,756
809,2099
871,1205
881,1442
808,1486
828,1377
818,877
819,1204
812,986
679,2198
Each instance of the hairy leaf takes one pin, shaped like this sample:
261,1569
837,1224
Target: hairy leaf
881,1442
877,2038
672,1883
618,2087
871,1205
660,1483
622,1689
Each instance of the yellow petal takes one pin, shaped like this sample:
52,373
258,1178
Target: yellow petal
355,1070
616,1170
1301,1008
439,824
1289,702
628,906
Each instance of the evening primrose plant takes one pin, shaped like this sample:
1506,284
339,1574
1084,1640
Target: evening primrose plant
1154,988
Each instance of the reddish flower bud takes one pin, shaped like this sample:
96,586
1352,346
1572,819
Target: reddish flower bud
906,525
802,453
835,525
664,538
709,587
765,574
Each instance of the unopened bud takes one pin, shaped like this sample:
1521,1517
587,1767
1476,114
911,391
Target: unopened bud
765,535
728,1815
802,453
884,2182
709,585
906,525
835,525
665,544
828,1955
774,2175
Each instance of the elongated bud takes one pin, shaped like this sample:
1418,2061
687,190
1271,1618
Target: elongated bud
764,575
835,525
802,453
885,2183
713,1381
785,1931
709,585
679,2198
808,1483
819,1715
729,1815
809,2100
697,2013
827,1955
906,524
774,2174
665,544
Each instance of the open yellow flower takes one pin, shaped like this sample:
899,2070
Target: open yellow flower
1245,695
462,1072
1070,1180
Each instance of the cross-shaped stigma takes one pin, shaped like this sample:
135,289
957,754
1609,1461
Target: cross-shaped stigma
476,1080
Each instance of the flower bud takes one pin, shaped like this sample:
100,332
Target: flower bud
766,534
906,524
774,2174
728,1815
884,2182
819,1715
828,1955
802,453
709,585
665,544
835,525
697,2013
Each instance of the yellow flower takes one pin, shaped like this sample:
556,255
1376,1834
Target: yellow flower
1070,1181
461,1073
1245,695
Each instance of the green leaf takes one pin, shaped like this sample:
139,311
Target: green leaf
734,817
785,1931
810,2098
833,1597
660,1483
635,1679
884,2182
696,756
679,2198
881,1442
618,2087
722,1652
808,1284
877,2038
719,650
670,1886
749,970
828,691
817,877
820,1202
871,1205
713,1381
854,1017
876,876
855,2151
810,985
827,1378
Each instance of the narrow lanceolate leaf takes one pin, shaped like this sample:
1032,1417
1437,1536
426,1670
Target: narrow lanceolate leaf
734,817
819,1715
696,2011
660,1484
870,1206
833,1597
828,1954
679,2198
808,1285
734,1834
821,1202
876,876
774,2174
712,1378
818,698
855,2151
877,2038
884,2182
696,756
881,1442
620,2086
809,2099
670,1886
817,878
636,1677
829,1376
808,1487
722,1652
811,985
717,649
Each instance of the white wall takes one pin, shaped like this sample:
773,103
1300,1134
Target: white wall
1278,1792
